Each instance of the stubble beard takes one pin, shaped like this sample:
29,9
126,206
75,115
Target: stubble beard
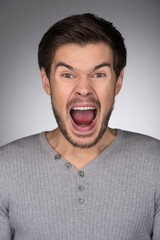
61,125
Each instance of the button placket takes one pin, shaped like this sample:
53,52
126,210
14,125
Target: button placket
81,173
68,166
80,190
57,157
80,200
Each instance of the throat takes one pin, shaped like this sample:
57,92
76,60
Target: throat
83,117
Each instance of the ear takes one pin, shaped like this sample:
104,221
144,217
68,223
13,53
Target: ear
119,82
45,81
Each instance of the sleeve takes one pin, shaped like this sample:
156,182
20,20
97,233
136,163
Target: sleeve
156,226
5,230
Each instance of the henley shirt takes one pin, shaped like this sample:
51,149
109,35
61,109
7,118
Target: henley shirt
116,196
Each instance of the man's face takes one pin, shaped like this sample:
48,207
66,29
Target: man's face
82,86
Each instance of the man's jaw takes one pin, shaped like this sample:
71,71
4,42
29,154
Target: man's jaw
79,138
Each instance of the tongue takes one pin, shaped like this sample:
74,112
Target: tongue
82,117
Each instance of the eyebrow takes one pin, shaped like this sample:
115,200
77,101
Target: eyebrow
62,64
104,64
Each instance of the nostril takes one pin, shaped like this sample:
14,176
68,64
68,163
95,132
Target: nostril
83,93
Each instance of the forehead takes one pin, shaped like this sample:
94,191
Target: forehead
84,56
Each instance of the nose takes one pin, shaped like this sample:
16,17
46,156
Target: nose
83,87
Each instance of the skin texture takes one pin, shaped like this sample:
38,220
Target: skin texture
82,76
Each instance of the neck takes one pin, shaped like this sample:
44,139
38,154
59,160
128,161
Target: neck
79,157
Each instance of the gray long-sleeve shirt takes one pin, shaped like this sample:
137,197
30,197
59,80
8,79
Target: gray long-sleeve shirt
114,197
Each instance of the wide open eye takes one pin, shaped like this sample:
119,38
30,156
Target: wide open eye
67,75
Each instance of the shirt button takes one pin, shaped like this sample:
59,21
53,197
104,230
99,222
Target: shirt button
80,188
80,200
81,173
68,165
57,157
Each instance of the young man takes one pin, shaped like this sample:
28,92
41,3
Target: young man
82,180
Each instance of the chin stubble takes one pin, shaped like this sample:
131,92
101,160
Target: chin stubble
61,125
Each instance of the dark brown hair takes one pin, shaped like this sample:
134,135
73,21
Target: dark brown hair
81,29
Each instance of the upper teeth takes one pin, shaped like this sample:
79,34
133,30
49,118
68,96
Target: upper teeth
83,108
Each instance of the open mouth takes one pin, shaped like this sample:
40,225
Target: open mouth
83,117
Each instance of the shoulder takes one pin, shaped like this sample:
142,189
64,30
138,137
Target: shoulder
18,148
141,141
138,136
143,152
140,150
16,158
21,141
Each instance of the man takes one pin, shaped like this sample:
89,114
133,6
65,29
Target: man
82,180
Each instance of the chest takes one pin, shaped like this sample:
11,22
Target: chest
70,203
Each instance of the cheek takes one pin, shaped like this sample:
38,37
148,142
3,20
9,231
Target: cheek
106,95
60,97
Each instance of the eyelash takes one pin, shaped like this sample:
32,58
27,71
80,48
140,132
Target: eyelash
99,73
67,74
96,75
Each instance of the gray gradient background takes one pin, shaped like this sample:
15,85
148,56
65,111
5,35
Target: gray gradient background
25,109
